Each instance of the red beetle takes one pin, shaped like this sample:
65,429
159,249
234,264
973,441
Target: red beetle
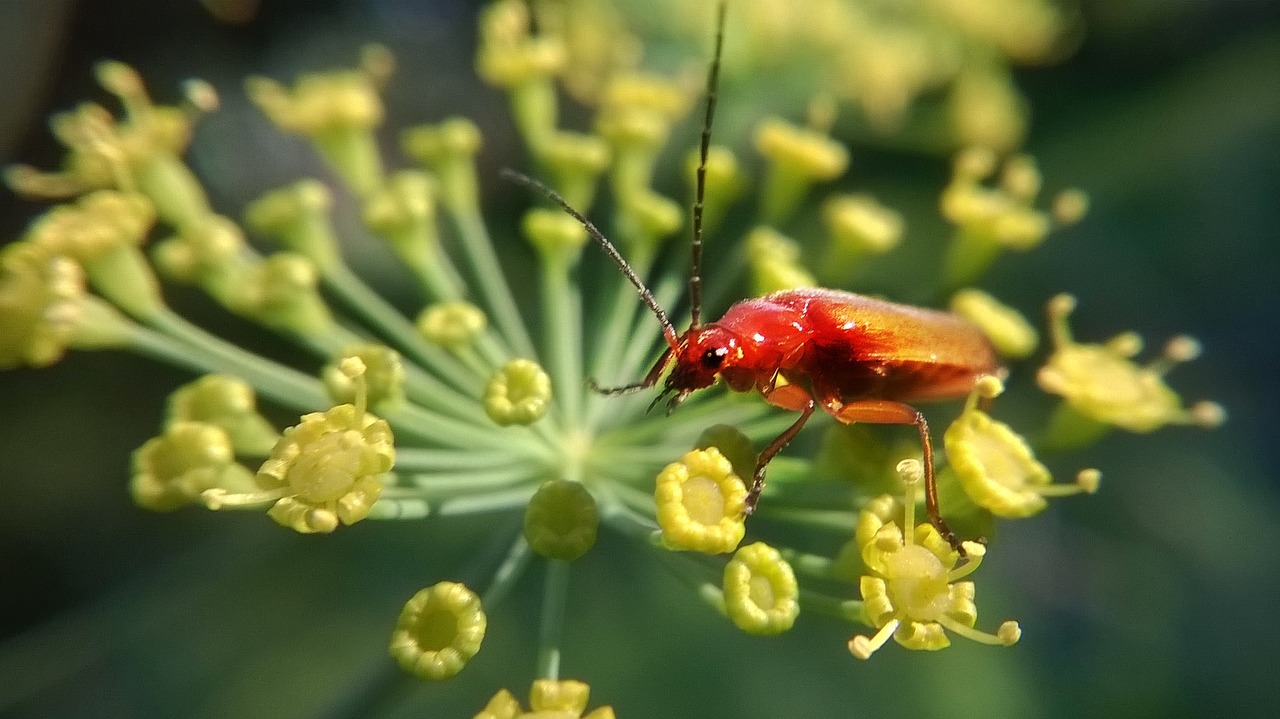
857,358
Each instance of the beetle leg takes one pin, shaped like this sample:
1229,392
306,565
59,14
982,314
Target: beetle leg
792,399
876,411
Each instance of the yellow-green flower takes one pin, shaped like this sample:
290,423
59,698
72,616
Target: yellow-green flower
798,158
453,324
519,393
509,54
328,468
912,591
760,591
859,224
383,378
548,699
335,110
701,503
775,262
1104,384
229,403
102,232
995,465
1010,332
174,469
990,218
440,629
41,303
137,152
562,520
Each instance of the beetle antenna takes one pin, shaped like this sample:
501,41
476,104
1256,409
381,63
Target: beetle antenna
668,331
700,191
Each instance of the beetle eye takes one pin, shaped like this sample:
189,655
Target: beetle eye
713,357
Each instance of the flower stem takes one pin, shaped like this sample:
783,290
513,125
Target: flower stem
819,603
508,573
555,596
562,314
277,382
365,302
493,285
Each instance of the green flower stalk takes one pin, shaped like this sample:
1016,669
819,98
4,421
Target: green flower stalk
477,404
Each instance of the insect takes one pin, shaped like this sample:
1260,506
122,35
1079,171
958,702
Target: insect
856,358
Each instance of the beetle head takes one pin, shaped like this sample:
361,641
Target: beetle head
703,353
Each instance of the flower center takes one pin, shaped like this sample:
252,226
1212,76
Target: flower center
999,464
328,466
703,500
917,583
437,629
761,592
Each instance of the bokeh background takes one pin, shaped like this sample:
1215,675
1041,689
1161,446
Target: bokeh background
1157,598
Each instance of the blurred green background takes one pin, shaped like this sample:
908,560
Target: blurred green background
1155,598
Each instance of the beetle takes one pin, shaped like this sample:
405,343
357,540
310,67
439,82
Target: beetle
857,358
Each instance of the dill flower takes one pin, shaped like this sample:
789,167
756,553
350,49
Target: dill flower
439,630
562,520
176,468
325,470
228,403
563,699
1010,332
995,465
701,503
1102,385
913,591
45,309
760,590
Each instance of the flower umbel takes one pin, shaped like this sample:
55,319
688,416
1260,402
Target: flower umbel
476,403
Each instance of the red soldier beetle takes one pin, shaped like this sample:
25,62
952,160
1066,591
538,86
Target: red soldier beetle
857,358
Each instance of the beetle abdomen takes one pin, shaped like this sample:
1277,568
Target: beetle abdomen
860,347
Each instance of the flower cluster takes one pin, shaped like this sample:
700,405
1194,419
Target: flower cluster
471,408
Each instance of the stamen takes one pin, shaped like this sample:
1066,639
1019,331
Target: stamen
911,471
219,498
862,647
1007,635
974,552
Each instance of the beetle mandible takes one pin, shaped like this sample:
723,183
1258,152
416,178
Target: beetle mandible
857,358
